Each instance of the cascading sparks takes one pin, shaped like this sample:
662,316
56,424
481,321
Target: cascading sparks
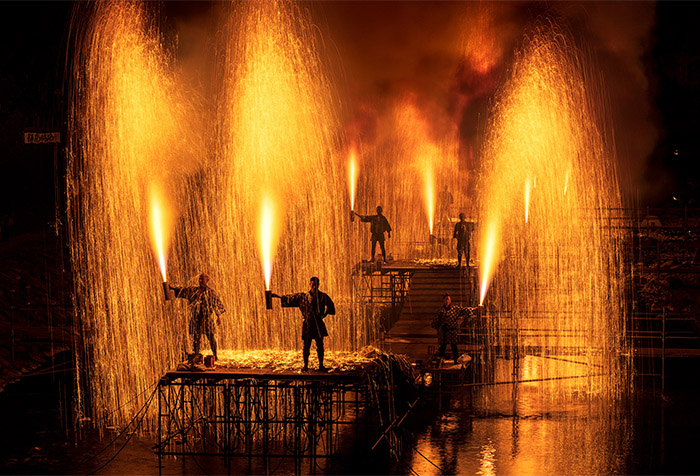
558,288
135,124
128,118
396,177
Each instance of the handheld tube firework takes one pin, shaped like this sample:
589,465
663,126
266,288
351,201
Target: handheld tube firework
166,291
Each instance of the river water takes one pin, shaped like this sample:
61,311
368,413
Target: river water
486,430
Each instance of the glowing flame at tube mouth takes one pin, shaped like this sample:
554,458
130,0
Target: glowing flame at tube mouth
489,257
430,195
160,227
268,236
352,177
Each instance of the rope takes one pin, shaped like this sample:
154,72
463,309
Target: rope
428,460
143,412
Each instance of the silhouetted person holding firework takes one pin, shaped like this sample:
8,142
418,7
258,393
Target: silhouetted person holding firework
379,224
446,322
314,306
204,303
462,233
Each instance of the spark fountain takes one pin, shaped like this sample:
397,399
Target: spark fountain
557,276
127,119
409,157
134,122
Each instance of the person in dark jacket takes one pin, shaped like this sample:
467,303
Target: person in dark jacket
314,306
446,322
204,303
379,224
462,233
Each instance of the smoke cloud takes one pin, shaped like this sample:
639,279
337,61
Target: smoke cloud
447,59
451,57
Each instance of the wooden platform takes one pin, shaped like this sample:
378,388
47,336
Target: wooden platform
226,373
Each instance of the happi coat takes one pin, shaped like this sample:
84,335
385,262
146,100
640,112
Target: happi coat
204,303
447,323
313,309
378,225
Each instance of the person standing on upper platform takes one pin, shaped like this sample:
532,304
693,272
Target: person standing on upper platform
204,303
379,224
462,233
314,306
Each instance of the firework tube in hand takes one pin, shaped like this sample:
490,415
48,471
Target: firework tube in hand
166,290
268,299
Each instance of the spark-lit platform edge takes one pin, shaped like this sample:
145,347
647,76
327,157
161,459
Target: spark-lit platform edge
223,373
266,414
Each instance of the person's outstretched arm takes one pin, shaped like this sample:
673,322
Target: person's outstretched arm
289,300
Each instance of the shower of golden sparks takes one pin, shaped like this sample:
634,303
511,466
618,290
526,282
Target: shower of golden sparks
559,273
160,227
352,176
130,123
268,236
278,119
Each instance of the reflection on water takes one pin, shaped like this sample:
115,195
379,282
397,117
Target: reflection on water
526,428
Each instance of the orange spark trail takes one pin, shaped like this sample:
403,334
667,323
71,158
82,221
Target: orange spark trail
352,177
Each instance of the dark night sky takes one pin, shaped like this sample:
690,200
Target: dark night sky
648,53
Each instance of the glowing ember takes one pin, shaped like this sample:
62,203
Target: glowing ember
352,177
160,227
268,236
489,256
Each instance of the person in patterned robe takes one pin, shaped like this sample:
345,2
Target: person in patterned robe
314,306
447,324
204,303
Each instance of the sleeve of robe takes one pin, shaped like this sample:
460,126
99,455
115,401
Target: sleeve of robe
292,300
